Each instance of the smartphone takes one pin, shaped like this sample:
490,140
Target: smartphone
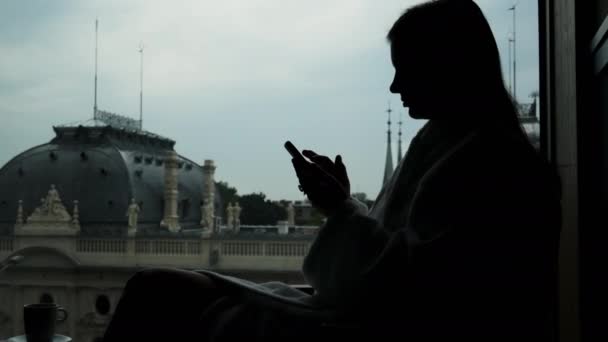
293,151
299,158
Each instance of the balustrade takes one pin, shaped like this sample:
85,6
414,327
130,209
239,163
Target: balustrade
101,246
6,244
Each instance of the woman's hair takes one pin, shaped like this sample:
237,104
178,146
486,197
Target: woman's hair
455,49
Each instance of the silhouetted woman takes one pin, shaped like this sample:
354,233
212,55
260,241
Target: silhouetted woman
460,243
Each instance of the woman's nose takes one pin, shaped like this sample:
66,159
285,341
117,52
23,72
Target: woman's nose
394,87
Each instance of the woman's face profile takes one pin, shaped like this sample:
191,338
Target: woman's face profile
420,83
408,83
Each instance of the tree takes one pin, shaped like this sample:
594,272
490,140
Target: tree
227,194
258,210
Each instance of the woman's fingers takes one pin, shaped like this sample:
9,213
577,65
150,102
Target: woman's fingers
323,161
308,153
341,173
302,171
340,168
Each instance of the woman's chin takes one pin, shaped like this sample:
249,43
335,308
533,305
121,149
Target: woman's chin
415,114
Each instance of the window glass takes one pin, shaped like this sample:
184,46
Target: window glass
95,94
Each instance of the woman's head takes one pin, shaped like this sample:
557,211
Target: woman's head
447,62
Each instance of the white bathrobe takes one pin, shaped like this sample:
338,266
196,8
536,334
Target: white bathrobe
458,205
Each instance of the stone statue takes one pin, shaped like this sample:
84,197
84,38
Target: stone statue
132,214
53,201
236,212
291,215
229,216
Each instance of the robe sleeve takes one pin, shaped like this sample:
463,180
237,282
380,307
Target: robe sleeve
347,255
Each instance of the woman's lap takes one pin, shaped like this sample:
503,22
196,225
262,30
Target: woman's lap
160,304
170,304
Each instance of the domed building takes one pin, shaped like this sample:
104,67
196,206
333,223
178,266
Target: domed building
97,170
103,199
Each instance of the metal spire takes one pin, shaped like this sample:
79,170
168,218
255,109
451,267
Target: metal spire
141,86
514,9
399,144
388,166
509,64
95,91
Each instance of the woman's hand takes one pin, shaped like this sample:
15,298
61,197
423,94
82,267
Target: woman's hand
324,181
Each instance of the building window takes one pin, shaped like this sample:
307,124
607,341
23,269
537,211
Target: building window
46,298
102,305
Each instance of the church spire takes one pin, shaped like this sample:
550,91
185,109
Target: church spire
399,154
388,166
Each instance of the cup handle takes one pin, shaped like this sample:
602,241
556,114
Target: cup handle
65,314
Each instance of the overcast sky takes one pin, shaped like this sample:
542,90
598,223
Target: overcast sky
228,80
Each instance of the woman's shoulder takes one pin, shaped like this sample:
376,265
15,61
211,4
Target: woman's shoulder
491,156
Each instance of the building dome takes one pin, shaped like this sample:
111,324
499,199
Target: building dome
101,167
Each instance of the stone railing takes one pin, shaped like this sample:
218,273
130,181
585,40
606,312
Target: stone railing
168,247
273,249
263,253
242,248
286,249
186,247
6,244
101,246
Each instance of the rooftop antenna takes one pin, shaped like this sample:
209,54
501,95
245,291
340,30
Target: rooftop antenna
95,91
141,85
509,64
514,9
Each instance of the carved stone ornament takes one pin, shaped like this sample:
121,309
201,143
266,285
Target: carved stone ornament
50,217
51,209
